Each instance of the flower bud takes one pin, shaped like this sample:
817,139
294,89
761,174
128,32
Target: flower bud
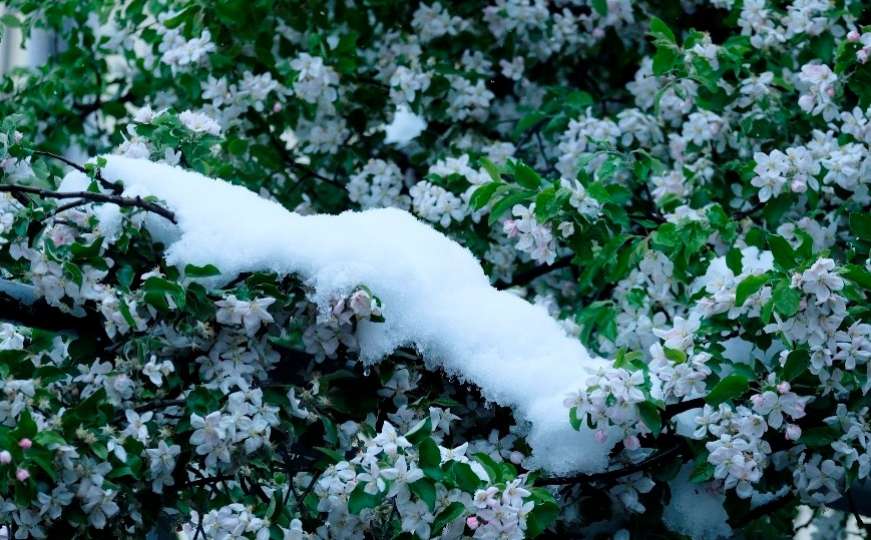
793,432
25,443
5,457
631,443
757,400
22,475
783,387
361,304
472,522
853,35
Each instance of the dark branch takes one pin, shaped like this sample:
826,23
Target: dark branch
613,474
676,408
39,314
762,510
752,210
132,202
670,412
525,278
114,187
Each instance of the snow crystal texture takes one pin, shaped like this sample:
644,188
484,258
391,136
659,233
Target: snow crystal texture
695,510
436,296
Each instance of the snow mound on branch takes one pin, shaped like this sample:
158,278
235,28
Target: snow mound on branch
436,296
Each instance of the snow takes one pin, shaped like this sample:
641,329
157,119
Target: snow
695,510
436,296
405,127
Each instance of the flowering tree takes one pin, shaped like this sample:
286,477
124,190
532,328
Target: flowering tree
680,188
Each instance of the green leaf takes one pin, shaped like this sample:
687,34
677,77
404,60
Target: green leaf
464,476
601,7
430,459
360,500
10,20
816,437
860,224
26,426
574,420
526,176
609,168
490,466
749,286
528,121
786,299
208,270
492,169
858,275
333,455
506,203
651,417
675,355
84,252
796,363
542,516
728,388
664,60
733,261
482,195
783,253
702,470
237,147
659,29
44,459
420,431
425,491
446,516
48,438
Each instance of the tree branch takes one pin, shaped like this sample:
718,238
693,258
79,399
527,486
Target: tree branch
677,447
114,187
613,474
39,314
525,278
134,202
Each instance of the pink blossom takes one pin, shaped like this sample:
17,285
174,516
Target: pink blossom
22,475
631,443
25,443
472,522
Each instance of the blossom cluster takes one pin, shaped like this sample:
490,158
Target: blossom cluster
683,185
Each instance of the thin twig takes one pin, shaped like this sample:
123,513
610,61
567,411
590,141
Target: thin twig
752,210
113,186
134,202
612,474
68,206
669,412
208,480
311,485
525,278
762,510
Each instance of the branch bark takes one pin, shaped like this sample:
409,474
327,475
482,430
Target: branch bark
130,202
114,187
